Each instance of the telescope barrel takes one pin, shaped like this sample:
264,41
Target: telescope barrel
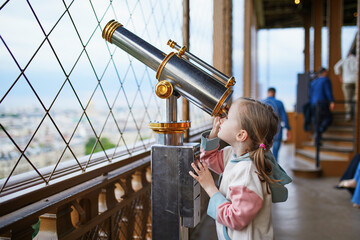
223,78
199,87
133,45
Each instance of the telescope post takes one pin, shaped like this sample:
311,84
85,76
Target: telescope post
175,195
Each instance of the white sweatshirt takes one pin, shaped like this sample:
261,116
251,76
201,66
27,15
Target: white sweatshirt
348,68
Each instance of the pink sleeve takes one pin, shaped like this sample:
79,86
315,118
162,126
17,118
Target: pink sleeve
241,210
214,159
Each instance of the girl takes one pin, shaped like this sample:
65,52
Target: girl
251,177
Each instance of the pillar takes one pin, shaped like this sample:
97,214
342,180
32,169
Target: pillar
335,20
318,18
249,77
307,23
357,90
186,42
222,36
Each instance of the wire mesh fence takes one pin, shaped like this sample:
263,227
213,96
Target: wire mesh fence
201,45
67,96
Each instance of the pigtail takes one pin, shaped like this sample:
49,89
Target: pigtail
261,123
264,169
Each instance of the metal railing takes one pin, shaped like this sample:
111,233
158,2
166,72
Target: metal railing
114,205
322,113
63,85
110,202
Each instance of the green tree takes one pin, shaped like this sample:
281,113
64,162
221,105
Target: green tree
91,142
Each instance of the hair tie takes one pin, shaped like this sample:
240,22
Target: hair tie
262,146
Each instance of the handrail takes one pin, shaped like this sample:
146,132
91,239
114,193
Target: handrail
23,208
318,135
39,207
35,191
27,188
31,179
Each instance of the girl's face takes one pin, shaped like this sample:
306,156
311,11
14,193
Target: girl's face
229,126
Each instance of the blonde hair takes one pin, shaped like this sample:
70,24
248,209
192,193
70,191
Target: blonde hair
261,123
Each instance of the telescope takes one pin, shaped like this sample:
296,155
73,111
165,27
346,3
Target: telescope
175,195
208,92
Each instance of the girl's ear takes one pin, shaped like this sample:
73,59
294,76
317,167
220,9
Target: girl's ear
242,136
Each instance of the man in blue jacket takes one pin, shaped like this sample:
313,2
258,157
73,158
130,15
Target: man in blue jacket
279,109
322,102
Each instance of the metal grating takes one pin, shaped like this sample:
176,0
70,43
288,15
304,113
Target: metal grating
67,97
201,45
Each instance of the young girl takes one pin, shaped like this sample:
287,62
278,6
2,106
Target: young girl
251,178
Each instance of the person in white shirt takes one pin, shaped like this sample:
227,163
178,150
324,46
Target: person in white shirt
347,70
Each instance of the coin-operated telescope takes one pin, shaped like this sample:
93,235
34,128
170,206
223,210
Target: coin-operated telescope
175,195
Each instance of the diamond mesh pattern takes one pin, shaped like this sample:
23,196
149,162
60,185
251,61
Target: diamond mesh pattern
68,96
131,222
201,45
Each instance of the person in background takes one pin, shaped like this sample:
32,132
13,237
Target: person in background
347,70
349,173
279,109
353,184
320,94
251,177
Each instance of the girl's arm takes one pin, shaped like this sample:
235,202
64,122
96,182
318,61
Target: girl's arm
204,177
245,200
210,154
209,148
237,213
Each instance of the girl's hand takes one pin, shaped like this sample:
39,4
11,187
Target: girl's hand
216,127
204,177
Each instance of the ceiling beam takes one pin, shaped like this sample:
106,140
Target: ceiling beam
259,8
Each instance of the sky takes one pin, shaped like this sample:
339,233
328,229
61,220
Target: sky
280,51
144,18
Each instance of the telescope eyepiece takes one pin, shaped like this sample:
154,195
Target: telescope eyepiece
171,43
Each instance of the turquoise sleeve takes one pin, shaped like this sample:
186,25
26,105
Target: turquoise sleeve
209,144
216,200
